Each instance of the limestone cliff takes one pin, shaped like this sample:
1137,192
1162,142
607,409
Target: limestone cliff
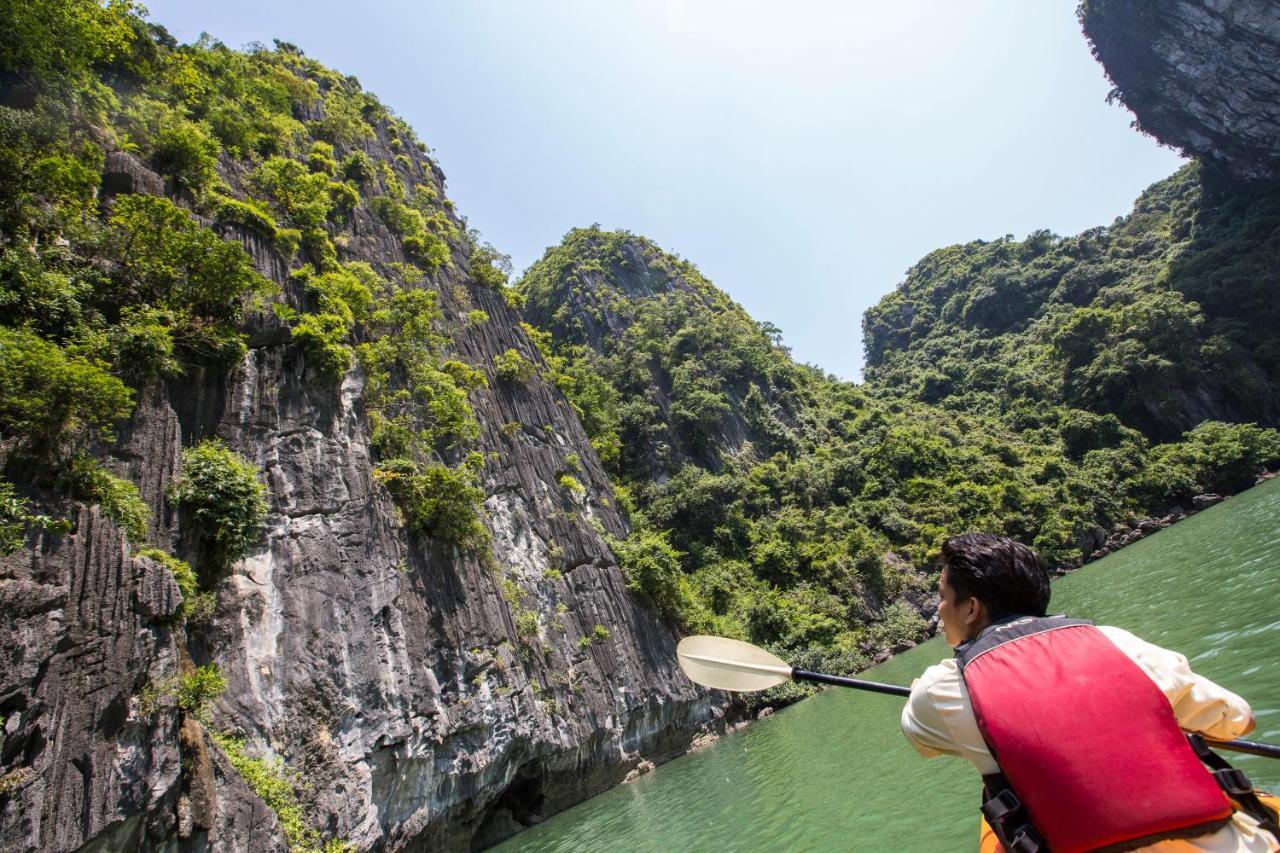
1200,76
420,695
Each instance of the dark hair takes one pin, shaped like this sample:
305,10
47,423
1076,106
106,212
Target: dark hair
1003,574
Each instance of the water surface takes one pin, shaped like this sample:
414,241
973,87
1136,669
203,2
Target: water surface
834,772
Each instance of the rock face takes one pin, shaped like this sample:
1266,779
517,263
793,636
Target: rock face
84,631
1201,76
386,669
122,173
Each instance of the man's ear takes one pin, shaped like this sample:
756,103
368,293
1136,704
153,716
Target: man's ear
976,612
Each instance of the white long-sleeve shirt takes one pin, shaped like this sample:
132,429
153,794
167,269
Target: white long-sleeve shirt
938,720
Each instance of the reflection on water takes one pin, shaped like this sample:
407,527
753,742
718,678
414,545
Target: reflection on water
834,773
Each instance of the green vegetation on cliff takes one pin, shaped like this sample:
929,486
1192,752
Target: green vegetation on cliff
163,209
777,504
146,186
1162,320
221,500
278,786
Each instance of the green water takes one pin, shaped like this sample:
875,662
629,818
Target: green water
834,773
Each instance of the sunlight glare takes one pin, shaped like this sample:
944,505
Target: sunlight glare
676,12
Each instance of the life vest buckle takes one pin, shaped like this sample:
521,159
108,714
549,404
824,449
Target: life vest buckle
1233,781
1001,806
1026,841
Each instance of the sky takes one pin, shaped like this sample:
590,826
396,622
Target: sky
804,155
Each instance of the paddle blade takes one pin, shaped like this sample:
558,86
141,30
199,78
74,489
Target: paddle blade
730,664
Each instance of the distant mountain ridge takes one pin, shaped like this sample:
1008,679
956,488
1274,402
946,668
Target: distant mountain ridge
1160,319
603,290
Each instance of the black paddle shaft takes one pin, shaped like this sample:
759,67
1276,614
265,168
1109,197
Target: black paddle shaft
1250,747
856,683
1246,746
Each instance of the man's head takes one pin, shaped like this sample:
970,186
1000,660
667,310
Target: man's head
986,578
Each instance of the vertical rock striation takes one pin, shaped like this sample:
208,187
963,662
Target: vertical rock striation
84,630
426,697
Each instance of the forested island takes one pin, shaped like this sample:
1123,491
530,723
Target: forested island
323,533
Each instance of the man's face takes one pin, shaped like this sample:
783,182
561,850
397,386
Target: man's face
952,613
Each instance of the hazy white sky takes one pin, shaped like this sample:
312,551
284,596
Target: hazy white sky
802,154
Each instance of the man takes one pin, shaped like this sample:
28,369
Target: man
1090,756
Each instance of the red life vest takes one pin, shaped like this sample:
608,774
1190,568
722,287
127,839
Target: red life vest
1087,742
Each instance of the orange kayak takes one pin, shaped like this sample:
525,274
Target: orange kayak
987,842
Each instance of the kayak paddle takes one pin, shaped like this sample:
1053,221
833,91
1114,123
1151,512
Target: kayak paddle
740,667
743,668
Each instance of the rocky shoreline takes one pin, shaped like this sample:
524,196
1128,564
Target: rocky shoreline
1108,542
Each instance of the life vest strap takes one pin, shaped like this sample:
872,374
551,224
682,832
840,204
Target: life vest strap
1236,785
